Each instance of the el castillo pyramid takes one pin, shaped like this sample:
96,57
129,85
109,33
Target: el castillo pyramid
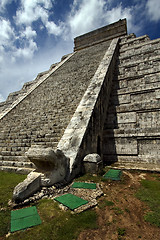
103,98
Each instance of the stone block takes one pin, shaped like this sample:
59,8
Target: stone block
53,164
92,163
28,187
109,32
149,147
128,117
114,146
148,119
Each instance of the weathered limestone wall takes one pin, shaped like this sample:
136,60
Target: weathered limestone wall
132,128
42,116
97,36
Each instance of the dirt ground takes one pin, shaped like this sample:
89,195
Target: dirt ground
125,219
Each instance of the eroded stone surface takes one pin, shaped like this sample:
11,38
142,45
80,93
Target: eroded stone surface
52,167
28,187
52,164
92,163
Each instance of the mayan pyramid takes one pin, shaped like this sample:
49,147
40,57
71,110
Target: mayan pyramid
103,98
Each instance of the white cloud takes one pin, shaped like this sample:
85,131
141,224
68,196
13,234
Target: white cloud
3,4
153,8
53,28
85,15
8,37
32,10
13,77
29,33
26,52
19,49
89,15
119,12
6,33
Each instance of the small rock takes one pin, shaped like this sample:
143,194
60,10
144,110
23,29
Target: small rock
63,207
8,234
10,202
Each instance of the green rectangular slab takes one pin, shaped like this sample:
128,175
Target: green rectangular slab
24,218
84,185
113,174
26,222
71,201
25,212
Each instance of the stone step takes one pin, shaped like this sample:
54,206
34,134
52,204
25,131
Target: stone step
127,38
136,107
140,58
139,72
130,42
141,80
140,53
130,132
147,125
10,150
142,47
12,97
132,159
139,67
16,169
136,88
17,164
142,166
134,98
14,158
48,107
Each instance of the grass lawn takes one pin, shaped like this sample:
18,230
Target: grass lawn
56,224
63,225
7,183
150,193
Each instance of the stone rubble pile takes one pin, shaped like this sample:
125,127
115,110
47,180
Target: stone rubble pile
55,191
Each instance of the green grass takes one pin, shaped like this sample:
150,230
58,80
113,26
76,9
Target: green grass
121,231
63,225
4,222
7,183
105,203
117,210
58,224
150,193
156,176
89,177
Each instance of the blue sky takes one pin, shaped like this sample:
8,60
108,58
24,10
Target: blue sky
36,33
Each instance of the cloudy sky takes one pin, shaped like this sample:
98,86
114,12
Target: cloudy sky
36,33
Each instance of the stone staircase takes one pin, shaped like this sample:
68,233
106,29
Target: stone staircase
132,128
66,107
13,97
40,112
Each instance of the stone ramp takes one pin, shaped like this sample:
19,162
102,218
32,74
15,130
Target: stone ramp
83,135
41,116
132,129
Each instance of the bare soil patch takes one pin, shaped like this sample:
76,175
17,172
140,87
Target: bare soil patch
120,213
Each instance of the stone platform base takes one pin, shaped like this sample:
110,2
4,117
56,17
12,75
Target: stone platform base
136,166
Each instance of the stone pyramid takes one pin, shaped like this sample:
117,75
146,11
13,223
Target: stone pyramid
103,98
